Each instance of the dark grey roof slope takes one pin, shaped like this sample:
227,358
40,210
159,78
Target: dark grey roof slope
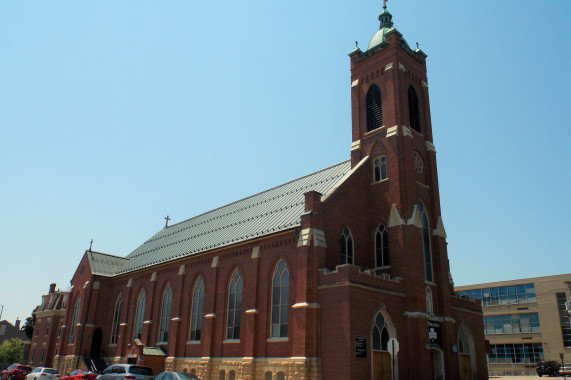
103,264
271,211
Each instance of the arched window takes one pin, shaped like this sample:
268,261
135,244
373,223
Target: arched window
374,108
165,315
413,110
429,302
382,331
466,353
380,334
380,168
139,315
234,306
196,312
116,316
74,320
426,243
268,376
346,247
280,301
382,247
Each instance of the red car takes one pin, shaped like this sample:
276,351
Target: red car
80,374
16,372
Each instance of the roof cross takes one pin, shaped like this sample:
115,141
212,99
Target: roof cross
385,4
90,245
167,223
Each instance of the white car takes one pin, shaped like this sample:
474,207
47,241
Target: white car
43,373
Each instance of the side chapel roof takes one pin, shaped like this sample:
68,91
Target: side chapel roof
271,211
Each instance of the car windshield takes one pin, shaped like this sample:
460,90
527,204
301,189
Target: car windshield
145,371
50,371
24,368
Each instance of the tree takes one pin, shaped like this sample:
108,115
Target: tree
29,325
12,351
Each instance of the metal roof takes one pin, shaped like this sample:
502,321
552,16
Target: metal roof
274,210
103,264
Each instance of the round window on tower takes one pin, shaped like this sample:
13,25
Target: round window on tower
418,163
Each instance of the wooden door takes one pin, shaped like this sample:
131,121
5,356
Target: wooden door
381,365
465,367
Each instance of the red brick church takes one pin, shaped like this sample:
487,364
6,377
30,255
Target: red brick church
340,274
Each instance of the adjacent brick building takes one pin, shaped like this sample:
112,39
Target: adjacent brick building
340,274
49,317
525,320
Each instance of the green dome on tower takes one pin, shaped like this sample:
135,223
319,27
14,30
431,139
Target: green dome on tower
386,26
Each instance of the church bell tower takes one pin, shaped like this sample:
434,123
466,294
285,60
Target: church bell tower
391,127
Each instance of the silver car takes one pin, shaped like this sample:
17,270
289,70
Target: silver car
43,373
126,372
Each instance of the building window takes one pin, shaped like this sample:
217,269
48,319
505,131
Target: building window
3,330
413,110
116,316
429,302
268,376
48,323
59,329
511,323
374,108
380,168
503,295
418,162
382,247
564,319
196,310
380,334
280,301
33,353
139,315
346,247
37,326
516,353
74,320
165,315
42,353
234,306
426,243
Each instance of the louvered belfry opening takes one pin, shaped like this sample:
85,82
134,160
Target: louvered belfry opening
413,109
374,108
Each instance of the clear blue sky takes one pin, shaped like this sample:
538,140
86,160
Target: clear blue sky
115,114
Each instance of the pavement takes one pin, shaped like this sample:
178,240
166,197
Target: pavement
534,377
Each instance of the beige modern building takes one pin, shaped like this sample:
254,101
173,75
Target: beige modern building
525,321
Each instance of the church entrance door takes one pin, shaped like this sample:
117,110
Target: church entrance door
381,365
95,351
465,367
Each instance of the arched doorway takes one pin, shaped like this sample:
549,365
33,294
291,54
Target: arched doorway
466,353
384,363
95,351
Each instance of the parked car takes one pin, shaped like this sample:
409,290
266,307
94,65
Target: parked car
80,374
16,372
126,372
170,375
43,373
565,369
549,368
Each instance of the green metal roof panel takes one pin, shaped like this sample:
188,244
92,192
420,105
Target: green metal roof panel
103,264
268,212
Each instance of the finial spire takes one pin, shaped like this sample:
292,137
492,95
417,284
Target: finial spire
385,4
